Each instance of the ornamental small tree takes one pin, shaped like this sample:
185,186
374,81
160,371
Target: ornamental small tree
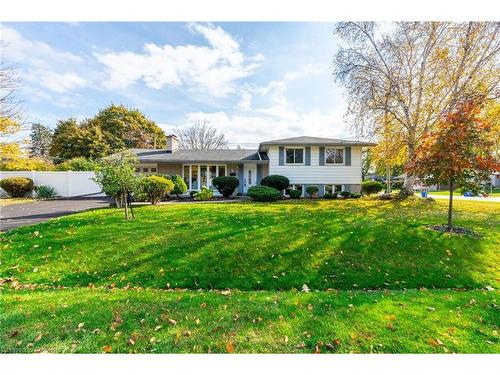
155,188
116,176
458,152
180,186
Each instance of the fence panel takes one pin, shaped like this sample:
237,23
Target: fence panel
66,183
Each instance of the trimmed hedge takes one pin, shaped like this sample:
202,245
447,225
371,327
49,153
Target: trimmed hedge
371,187
295,194
155,188
276,181
17,187
261,193
226,185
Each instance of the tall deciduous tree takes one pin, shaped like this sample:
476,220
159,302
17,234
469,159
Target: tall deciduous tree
40,140
10,105
201,136
459,151
415,72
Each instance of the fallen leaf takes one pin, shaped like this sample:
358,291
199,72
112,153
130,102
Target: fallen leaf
203,305
80,325
310,307
390,327
173,322
107,349
38,338
131,342
285,339
229,347
305,288
157,328
96,331
301,345
225,292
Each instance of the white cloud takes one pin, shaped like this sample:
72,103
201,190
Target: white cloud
212,69
44,61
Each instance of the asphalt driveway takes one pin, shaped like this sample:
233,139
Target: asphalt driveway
17,215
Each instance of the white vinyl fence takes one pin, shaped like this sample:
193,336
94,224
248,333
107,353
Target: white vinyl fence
67,183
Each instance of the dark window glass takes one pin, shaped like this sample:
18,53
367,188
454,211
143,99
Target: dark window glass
299,156
339,156
153,170
222,170
290,155
145,170
137,169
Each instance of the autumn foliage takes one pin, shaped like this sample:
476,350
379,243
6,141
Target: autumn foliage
459,151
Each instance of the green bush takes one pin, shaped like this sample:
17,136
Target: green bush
77,164
278,182
155,188
295,194
261,193
312,190
205,194
330,196
180,186
192,193
345,194
371,187
226,185
355,195
17,187
45,192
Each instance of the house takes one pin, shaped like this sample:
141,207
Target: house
331,164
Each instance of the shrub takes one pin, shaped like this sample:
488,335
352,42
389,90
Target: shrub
386,197
77,164
205,194
355,195
329,196
226,185
295,194
278,182
17,187
345,194
371,187
192,193
261,193
156,188
335,195
312,190
180,186
45,192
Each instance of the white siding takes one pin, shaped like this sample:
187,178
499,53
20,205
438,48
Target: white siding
315,173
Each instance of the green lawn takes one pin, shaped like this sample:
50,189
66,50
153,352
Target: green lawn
340,249
494,193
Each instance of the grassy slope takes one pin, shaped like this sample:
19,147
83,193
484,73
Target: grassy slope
325,244
338,244
390,322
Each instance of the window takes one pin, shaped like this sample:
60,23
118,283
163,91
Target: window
203,175
293,187
222,170
145,170
194,177
294,155
334,155
153,170
330,189
137,169
186,175
249,177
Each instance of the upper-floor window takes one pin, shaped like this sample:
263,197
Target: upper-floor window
334,155
295,156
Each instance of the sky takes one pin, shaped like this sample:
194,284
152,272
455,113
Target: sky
252,81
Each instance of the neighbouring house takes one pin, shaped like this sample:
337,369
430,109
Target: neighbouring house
331,164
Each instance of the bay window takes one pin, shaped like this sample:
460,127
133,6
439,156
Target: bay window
198,175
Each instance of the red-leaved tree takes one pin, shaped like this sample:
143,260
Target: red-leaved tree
459,151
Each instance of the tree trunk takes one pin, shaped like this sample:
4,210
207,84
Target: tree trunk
450,207
388,179
409,179
124,200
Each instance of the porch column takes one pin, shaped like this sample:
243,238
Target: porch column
240,178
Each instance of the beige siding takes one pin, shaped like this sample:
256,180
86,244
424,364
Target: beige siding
170,169
315,173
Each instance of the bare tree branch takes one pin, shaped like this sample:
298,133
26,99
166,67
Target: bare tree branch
200,136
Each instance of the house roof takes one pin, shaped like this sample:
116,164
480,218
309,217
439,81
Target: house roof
316,141
188,156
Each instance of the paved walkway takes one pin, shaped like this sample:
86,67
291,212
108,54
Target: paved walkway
17,215
462,198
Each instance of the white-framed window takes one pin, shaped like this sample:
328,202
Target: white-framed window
334,155
294,155
197,175
330,188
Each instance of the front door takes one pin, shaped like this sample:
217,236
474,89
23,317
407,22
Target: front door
249,176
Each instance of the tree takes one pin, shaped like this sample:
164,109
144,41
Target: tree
458,152
366,162
41,139
414,72
124,128
10,105
116,176
200,136
77,164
